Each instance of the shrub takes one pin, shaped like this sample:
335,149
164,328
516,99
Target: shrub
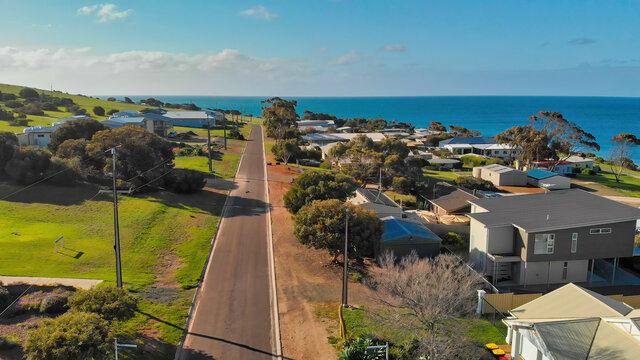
28,165
473,183
112,111
6,115
472,160
186,151
452,239
32,109
184,181
9,97
98,110
54,304
29,93
48,106
495,160
107,301
8,342
357,350
74,335
111,99
325,164
14,104
587,171
577,169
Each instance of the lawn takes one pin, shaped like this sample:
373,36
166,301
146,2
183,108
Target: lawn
448,176
628,185
224,166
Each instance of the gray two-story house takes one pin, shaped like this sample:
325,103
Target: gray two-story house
548,238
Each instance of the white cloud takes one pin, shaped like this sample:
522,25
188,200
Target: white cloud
351,57
392,48
105,12
259,12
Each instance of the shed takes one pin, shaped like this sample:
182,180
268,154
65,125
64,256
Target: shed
547,179
402,237
501,175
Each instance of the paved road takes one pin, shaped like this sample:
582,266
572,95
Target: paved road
232,314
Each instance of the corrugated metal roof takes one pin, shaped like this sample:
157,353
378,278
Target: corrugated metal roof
376,198
125,120
468,140
540,174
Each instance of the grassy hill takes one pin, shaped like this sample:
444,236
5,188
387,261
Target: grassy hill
49,117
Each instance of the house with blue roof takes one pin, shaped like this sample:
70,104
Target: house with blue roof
547,179
402,237
152,122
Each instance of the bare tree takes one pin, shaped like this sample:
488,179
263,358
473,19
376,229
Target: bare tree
621,152
426,297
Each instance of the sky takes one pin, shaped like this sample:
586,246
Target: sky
323,47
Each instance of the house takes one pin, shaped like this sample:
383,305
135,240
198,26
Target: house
548,238
317,125
36,136
152,122
481,145
547,179
450,200
580,161
574,323
376,201
421,154
324,139
501,175
403,237
557,166
198,119
448,163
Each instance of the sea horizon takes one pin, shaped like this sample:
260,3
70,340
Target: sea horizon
602,116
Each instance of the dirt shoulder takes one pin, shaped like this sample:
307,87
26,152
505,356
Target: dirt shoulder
305,280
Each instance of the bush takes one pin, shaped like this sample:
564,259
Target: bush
357,350
453,239
112,111
98,110
577,169
473,183
325,164
109,302
14,104
9,97
54,304
472,160
28,165
111,99
587,171
184,181
8,342
186,151
6,115
29,93
32,109
74,335
48,106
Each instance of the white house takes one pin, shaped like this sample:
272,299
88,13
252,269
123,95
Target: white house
317,125
376,201
196,119
574,323
581,161
36,136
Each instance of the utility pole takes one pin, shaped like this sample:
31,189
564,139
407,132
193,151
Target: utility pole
209,142
346,259
116,225
224,126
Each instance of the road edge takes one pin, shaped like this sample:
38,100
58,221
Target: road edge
273,291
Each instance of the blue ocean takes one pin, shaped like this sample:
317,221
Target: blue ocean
601,116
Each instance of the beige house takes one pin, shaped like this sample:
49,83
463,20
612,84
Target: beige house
501,175
573,323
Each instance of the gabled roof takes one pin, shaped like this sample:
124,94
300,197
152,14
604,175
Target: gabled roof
125,120
540,174
376,198
155,116
126,113
571,301
322,137
574,158
452,199
444,161
406,232
558,209
189,115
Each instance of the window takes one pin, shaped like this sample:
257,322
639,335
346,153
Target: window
40,136
574,243
544,244
596,231
565,270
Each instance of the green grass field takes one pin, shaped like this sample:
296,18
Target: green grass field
628,185
448,176
224,167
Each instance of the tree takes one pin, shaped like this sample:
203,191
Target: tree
318,185
278,115
8,97
184,181
77,129
621,151
436,126
112,111
426,297
143,158
111,99
128,100
28,165
98,110
29,93
285,149
474,183
321,224
109,302
462,131
8,145
74,335
13,104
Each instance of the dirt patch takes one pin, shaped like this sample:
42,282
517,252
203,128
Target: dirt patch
304,279
521,189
